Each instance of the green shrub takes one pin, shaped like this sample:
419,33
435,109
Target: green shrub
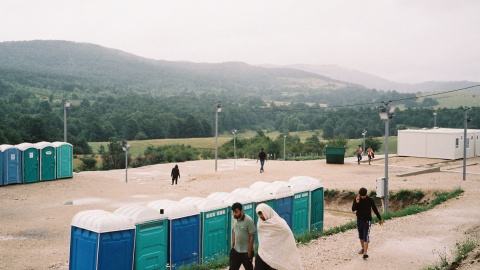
330,193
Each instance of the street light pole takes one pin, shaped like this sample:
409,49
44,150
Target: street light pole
386,114
284,137
364,133
434,119
218,109
125,148
234,148
66,107
466,119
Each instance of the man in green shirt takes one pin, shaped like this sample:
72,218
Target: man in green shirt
242,239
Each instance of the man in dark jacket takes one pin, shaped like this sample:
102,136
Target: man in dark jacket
364,206
175,174
262,156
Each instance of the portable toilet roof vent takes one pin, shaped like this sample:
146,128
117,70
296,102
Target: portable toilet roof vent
174,209
57,144
204,204
311,182
229,198
101,221
278,191
254,194
140,214
295,187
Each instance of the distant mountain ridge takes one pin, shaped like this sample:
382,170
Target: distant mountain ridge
111,66
375,82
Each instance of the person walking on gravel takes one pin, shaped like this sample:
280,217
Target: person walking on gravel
359,153
175,174
262,157
364,206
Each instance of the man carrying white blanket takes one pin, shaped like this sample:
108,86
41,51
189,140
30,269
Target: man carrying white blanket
277,248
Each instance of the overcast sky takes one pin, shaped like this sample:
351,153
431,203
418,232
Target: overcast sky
404,41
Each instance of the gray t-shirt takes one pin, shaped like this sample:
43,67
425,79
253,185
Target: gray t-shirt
243,229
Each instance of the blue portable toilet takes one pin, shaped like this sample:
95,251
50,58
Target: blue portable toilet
101,240
64,159
183,231
151,236
12,164
30,162
301,204
229,199
283,199
214,228
258,197
315,187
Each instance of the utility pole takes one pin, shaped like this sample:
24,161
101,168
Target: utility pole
234,131
434,119
364,133
386,114
66,107
125,148
218,109
284,137
466,119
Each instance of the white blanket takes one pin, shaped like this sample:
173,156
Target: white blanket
277,245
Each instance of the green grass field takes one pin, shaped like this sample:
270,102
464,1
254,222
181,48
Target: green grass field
456,99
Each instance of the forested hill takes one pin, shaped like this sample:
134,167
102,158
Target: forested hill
124,70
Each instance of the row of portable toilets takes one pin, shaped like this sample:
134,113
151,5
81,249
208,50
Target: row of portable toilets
34,162
167,234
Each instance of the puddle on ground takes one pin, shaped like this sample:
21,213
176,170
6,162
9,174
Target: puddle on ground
6,238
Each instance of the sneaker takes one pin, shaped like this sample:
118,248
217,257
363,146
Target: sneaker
365,256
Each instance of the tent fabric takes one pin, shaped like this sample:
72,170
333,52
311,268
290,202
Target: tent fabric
277,245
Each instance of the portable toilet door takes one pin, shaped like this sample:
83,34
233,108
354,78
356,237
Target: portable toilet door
316,200
1,168
47,161
229,199
183,231
12,164
101,240
283,199
64,156
151,236
301,204
30,162
214,228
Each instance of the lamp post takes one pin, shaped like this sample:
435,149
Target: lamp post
363,134
386,114
434,119
66,107
125,148
218,109
284,137
466,119
234,131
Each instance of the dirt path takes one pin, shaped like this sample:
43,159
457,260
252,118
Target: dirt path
35,218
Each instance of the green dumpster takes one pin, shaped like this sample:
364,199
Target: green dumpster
335,155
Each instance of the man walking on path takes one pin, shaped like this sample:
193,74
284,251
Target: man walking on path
242,239
262,157
175,174
359,153
364,206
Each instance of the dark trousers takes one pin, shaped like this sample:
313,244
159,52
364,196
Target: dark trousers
237,259
261,265
174,179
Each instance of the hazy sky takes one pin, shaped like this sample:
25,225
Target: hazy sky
404,41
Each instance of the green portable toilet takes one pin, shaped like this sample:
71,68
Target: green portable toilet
301,206
64,155
47,161
258,197
30,162
317,205
213,229
229,199
151,236
335,155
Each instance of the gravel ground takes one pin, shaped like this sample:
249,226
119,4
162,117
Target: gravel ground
35,218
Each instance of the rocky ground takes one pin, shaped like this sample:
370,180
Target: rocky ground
35,218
